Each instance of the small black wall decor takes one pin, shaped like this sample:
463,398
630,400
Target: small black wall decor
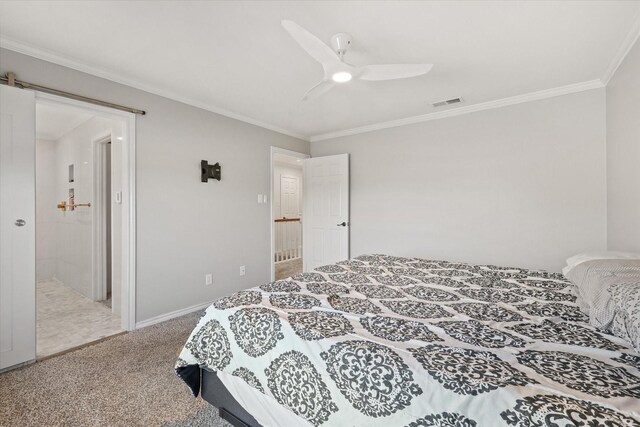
209,171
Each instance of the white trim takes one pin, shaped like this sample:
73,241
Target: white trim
129,253
623,51
272,254
288,165
632,37
128,315
99,286
533,96
171,315
45,55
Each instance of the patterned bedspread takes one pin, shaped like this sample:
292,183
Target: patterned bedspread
388,341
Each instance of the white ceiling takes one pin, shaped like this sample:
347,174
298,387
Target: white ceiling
54,122
235,58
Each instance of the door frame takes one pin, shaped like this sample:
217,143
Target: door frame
291,153
128,249
99,217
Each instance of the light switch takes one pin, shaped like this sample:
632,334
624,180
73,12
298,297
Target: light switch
118,197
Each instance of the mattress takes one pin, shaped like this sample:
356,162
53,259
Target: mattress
384,341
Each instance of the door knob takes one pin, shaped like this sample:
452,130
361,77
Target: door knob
342,224
20,222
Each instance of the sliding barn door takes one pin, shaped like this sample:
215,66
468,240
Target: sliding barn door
17,227
326,211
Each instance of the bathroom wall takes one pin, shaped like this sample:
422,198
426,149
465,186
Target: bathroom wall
46,214
64,240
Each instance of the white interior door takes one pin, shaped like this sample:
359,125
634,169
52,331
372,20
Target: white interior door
289,197
326,211
17,227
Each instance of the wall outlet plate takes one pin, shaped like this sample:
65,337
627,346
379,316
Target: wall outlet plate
208,279
242,270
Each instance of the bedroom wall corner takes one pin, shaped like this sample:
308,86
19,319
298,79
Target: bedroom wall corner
623,155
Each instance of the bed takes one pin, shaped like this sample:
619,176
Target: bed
388,341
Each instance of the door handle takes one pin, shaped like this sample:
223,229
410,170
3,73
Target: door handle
342,224
20,222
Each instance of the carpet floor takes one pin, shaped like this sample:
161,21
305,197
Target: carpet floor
286,269
127,380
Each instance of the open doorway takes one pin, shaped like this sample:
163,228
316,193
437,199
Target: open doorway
78,227
287,215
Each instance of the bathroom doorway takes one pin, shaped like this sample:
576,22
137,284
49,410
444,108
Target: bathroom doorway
78,225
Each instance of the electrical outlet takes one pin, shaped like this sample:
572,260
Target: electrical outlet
242,270
208,279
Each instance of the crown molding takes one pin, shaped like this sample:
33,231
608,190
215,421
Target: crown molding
632,36
25,49
519,99
623,51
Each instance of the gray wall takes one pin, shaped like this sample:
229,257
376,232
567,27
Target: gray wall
623,155
521,185
185,228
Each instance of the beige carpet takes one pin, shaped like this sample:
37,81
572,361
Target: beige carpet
286,269
127,380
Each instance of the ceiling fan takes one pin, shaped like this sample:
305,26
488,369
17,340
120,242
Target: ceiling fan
336,71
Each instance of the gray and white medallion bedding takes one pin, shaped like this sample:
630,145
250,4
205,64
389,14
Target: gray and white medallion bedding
389,341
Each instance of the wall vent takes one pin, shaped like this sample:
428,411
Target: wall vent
448,102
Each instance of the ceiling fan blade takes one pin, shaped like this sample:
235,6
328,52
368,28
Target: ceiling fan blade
319,89
393,71
310,43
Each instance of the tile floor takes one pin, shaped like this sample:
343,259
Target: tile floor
66,319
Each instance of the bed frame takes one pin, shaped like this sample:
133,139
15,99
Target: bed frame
213,391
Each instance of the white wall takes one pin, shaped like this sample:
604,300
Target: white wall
623,155
116,224
64,240
46,259
75,228
185,228
280,170
522,185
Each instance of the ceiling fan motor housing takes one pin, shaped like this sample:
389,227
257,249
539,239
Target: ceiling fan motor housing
341,42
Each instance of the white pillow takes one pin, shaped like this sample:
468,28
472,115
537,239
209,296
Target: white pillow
591,256
593,278
625,297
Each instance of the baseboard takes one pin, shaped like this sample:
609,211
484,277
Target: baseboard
19,365
171,315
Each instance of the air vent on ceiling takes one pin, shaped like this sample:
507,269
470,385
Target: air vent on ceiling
447,102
